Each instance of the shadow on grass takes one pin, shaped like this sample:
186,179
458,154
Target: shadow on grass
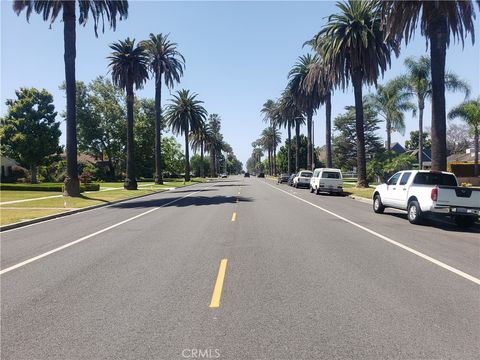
182,202
445,224
83,197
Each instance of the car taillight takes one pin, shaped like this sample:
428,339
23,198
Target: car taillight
434,194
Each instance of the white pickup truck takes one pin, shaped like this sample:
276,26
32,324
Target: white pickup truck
422,192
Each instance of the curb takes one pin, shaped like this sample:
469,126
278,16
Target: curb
71,212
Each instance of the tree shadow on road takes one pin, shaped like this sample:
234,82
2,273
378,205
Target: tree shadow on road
196,200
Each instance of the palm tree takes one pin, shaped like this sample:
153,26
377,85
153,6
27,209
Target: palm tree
50,10
213,141
128,63
390,102
268,140
271,115
469,112
353,49
198,140
418,81
307,99
438,20
185,114
164,60
290,117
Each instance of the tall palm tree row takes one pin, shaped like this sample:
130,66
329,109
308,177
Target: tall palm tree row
164,60
418,81
100,10
185,114
390,102
129,67
469,111
306,98
353,46
198,141
270,113
438,20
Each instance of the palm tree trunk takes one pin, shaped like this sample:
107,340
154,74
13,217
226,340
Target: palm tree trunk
202,169
476,146
389,134
212,163
187,155
309,140
72,184
33,170
130,182
158,129
438,46
274,149
289,149
269,161
359,128
297,146
421,106
328,130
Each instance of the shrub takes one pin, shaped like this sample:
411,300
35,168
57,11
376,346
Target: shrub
57,187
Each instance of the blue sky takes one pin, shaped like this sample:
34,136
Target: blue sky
238,55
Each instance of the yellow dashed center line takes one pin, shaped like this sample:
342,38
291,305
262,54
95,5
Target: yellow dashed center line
234,216
217,291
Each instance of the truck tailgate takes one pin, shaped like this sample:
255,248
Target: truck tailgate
458,196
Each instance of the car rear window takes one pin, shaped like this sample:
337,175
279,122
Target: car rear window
435,179
330,175
306,174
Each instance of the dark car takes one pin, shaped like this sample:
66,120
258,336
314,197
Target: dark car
246,175
283,178
290,179
261,175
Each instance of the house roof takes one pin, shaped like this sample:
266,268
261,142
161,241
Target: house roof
462,157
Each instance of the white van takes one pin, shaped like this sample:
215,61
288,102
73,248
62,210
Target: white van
327,180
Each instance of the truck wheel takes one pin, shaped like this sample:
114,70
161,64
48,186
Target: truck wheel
465,221
318,191
377,205
311,189
414,212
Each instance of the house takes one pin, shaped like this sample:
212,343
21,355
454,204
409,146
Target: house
462,166
426,159
396,147
7,165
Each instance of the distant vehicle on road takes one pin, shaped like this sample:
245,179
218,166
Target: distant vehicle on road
302,179
223,176
283,178
326,180
423,193
261,175
246,175
290,179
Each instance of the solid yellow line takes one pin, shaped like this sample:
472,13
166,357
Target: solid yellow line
234,216
217,291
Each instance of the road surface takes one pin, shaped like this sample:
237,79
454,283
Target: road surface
240,268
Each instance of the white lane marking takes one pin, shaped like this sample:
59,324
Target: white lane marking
383,237
23,263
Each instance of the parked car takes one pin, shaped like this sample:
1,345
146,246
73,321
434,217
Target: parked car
327,180
302,179
290,179
246,175
223,176
283,178
261,175
423,193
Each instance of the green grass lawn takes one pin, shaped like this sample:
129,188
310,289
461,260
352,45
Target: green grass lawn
360,192
11,213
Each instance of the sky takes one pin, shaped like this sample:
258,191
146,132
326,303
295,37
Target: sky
238,55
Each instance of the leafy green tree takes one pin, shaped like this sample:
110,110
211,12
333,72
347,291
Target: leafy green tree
391,101
144,141
128,63
418,81
50,10
198,139
29,132
459,138
438,21
299,146
184,114
307,98
412,143
198,165
352,44
345,143
164,61
469,111
173,157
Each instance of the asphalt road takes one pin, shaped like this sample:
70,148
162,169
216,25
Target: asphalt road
306,277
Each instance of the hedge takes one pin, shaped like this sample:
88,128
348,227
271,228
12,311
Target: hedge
46,187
